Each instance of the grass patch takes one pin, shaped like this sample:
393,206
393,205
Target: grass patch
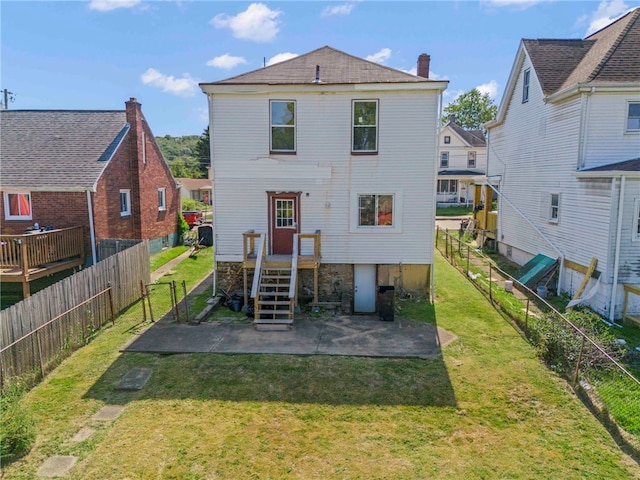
454,211
165,256
485,408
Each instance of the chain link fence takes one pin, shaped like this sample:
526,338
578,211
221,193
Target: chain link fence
586,351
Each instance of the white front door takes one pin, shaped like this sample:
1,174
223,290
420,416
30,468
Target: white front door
364,288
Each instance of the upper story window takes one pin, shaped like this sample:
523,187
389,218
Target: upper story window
365,126
635,229
447,139
471,160
162,199
375,210
554,208
17,206
444,159
633,117
526,79
125,203
283,126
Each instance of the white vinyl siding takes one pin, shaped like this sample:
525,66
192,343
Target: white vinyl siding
327,175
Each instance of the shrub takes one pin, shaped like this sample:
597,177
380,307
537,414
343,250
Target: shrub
183,226
190,205
17,428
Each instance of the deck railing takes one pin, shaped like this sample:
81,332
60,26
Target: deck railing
249,245
315,238
40,248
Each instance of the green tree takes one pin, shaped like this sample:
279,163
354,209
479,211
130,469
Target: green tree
471,110
202,151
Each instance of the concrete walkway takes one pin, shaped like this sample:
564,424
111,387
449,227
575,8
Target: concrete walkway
170,265
339,335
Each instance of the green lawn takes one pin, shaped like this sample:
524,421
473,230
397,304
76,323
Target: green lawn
486,408
456,211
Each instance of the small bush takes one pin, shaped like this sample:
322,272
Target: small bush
183,227
190,205
17,428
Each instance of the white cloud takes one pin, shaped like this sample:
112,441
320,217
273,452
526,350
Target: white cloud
281,57
451,96
258,23
491,88
381,56
607,12
183,87
108,5
226,61
344,9
515,4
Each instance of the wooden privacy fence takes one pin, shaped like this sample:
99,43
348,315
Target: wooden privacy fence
39,331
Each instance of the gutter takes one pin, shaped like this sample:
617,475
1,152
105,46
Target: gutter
616,261
591,87
91,228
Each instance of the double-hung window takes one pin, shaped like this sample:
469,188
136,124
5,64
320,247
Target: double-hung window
17,206
365,126
375,210
125,203
526,79
162,199
633,117
444,159
635,229
283,126
554,208
447,186
471,160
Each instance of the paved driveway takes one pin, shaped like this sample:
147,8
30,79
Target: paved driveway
340,335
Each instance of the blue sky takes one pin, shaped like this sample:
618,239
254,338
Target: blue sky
96,54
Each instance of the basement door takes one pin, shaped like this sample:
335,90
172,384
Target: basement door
283,221
364,288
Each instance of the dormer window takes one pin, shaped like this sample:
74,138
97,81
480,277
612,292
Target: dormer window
633,117
526,79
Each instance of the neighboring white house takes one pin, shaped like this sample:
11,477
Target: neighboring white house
332,143
564,152
195,189
462,163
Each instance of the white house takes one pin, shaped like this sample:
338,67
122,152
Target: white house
564,152
195,189
462,164
336,149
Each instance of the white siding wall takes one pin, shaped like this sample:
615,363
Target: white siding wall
404,166
535,151
606,140
458,152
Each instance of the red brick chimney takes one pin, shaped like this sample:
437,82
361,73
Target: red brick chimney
423,65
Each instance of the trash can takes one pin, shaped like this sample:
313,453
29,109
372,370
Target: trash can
386,296
205,235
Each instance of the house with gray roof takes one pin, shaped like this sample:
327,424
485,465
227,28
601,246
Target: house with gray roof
462,162
326,162
98,169
564,155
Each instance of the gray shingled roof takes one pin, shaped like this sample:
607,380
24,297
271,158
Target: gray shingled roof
57,149
625,166
474,138
609,55
336,67
460,173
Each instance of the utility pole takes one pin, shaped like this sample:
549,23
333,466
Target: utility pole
7,95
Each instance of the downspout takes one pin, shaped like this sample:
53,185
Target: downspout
560,254
213,199
616,261
435,195
92,232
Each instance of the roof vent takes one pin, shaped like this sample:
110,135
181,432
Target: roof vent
317,80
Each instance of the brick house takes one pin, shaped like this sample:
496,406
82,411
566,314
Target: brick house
98,169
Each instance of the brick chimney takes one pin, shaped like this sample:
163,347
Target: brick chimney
423,65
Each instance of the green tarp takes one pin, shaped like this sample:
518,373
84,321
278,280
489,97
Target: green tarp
535,270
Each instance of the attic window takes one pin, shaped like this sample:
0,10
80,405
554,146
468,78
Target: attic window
525,85
447,139
633,117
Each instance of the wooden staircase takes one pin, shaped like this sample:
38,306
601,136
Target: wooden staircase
273,305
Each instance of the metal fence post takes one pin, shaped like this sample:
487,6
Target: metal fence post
577,372
111,309
490,292
186,300
526,315
446,242
468,255
37,334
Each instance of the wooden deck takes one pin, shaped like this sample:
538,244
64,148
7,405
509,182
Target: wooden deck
24,258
